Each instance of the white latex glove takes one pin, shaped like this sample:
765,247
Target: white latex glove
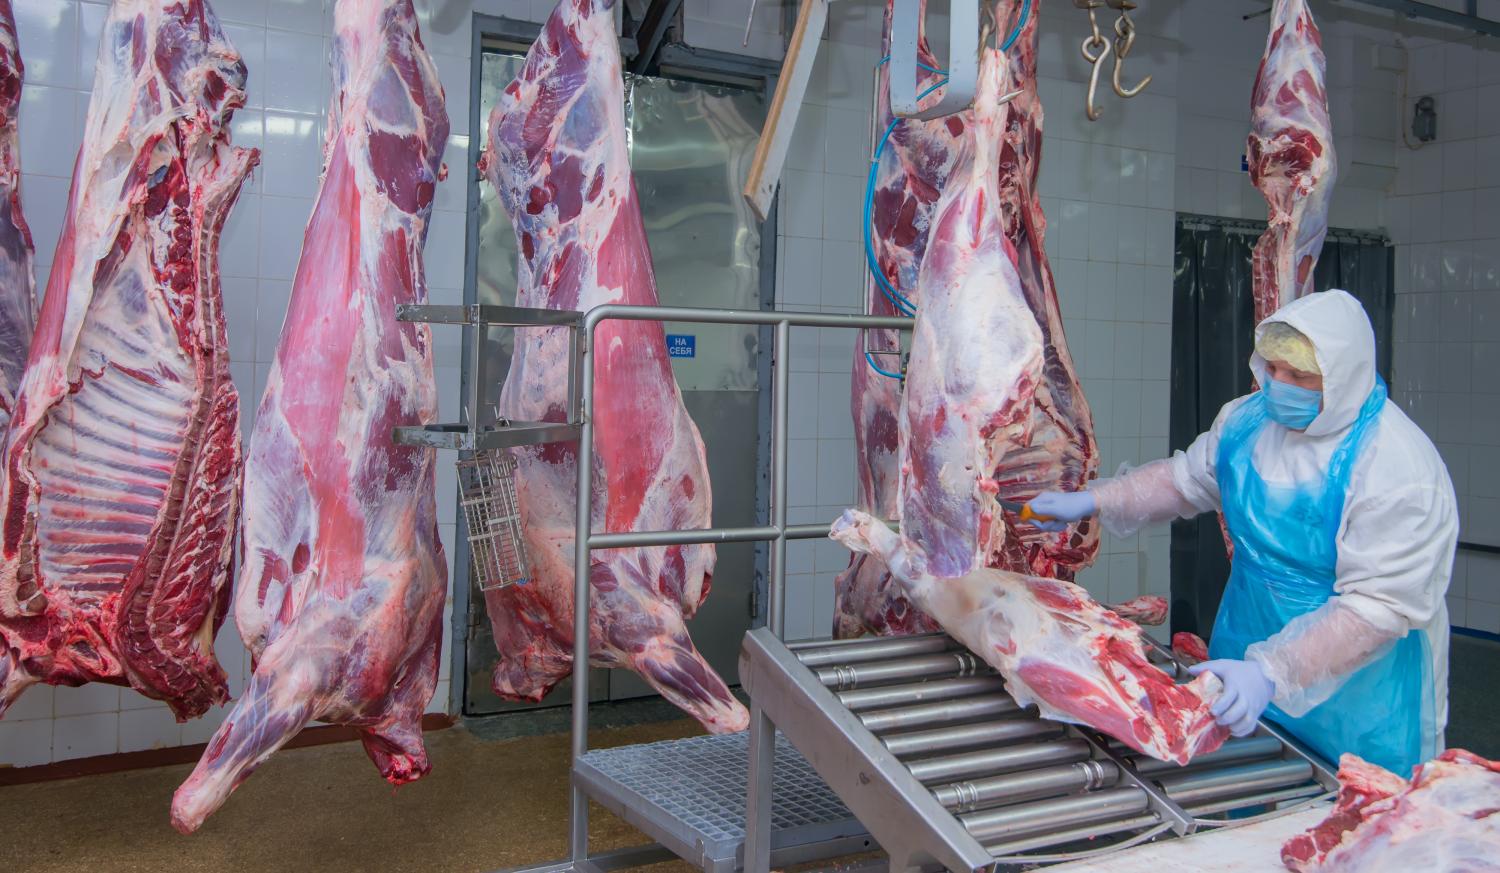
1247,693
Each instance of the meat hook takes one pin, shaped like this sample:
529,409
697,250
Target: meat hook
1124,41
1095,49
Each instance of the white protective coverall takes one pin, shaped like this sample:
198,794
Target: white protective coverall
1395,540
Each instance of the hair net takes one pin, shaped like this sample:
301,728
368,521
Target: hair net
1279,341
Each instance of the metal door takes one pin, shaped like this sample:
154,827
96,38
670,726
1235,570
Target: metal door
689,144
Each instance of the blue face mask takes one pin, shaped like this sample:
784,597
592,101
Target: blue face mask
1290,405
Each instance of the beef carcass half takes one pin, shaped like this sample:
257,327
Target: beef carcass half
122,463
17,278
1445,820
343,578
557,158
913,170
1056,648
1290,152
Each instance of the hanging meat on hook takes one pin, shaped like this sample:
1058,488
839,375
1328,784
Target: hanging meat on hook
973,390
343,578
557,158
1291,157
122,462
1061,453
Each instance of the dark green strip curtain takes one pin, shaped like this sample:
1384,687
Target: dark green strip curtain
1212,337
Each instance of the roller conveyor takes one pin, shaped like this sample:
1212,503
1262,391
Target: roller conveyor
920,740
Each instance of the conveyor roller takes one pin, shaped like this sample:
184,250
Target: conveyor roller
920,739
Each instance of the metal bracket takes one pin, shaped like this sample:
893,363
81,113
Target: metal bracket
963,59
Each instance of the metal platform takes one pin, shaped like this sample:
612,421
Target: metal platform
689,795
920,739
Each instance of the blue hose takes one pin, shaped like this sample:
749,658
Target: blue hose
900,302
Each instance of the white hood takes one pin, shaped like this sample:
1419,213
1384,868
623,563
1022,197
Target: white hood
1344,343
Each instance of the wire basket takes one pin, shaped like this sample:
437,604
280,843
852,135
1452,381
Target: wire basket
487,490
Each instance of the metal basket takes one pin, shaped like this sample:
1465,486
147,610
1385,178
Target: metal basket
487,489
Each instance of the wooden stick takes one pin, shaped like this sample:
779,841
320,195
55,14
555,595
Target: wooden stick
791,88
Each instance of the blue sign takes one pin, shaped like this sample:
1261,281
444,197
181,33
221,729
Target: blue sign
681,346
1244,164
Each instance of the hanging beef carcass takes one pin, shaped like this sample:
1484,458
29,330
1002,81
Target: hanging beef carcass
1055,647
343,577
977,360
913,170
122,463
1060,453
557,157
1291,156
1445,820
17,279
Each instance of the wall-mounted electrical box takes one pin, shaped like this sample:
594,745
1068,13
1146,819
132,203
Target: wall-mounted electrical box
1424,119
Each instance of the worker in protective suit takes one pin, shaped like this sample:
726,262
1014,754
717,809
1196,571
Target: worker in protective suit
1343,522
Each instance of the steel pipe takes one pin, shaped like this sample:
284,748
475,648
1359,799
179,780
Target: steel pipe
1005,759
1233,752
1298,793
1027,818
699,315
847,677
1068,835
971,736
977,794
1234,781
824,654
920,692
939,712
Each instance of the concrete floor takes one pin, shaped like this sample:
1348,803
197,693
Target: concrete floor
485,806
493,800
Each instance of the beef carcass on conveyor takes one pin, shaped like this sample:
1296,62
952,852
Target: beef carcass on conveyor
17,278
343,579
1445,820
1057,450
977,360
1055,647
122,462
912,173
1291,157
558,160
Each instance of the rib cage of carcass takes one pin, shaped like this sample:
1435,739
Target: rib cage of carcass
122,462
557,156
1057,450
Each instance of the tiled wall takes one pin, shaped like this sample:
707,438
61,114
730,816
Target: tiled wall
1445,219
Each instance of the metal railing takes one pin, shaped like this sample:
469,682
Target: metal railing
777,532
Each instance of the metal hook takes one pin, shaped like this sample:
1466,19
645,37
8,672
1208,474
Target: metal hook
1095,49
1124,40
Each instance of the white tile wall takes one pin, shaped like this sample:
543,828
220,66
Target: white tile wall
1445,219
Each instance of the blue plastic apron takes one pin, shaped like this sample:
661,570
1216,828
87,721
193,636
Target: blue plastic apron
1285,555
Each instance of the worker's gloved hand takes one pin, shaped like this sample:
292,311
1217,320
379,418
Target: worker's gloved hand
1063,507
1247,693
